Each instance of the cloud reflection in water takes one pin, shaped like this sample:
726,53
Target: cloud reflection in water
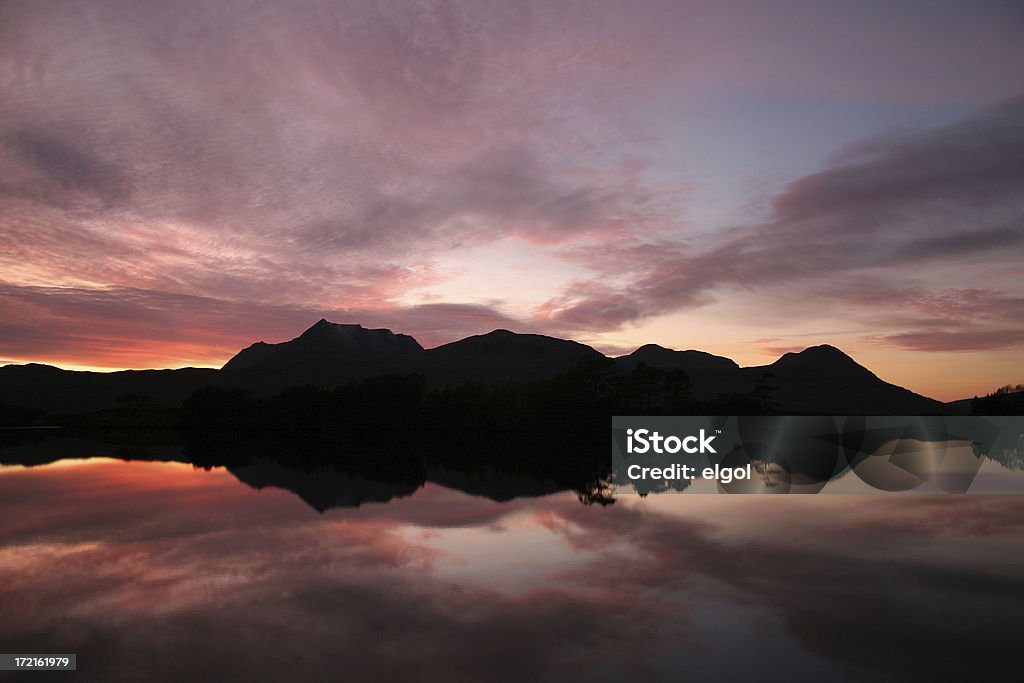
157,571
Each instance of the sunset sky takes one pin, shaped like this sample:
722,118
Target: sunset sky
180,179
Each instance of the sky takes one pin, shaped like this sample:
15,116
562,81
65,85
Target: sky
178,179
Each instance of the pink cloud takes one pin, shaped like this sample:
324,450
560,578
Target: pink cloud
924,203
320,156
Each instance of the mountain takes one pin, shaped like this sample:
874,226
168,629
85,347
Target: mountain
809,363
326,353
502,356
330,353
693,363
820,379
325,343
69,391
823,379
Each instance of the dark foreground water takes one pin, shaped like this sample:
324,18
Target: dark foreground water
154,571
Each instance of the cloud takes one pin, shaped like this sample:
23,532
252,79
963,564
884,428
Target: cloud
69,171
924,203
314,156
942,320
956,341
315,126
326,155
130,326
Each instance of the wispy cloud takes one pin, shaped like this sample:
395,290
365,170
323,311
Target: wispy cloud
317,156
138,328
891,209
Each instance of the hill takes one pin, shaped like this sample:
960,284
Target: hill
820,379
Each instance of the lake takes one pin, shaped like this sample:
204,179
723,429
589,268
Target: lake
159,571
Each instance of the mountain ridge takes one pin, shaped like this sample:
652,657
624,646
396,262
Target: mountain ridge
320,342
818,379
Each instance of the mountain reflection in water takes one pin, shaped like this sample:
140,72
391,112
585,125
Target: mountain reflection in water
154,571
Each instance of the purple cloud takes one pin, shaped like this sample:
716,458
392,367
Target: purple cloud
920,203
135,327
327,156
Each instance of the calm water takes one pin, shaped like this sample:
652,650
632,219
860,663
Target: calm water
155,571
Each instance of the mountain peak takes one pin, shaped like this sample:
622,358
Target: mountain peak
823,358
324,325
689,361
821,352
504,356
325,343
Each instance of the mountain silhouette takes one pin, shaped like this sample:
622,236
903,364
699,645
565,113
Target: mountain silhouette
807,363
691,362
820,379
501,356
328,353
323,344
56,390
825,377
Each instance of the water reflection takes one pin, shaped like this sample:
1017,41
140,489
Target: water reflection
158,571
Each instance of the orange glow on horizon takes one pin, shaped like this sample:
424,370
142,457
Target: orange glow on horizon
925,374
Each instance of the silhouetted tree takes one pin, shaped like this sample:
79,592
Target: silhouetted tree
648,380
765,390
19,416
1007,400
678,390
